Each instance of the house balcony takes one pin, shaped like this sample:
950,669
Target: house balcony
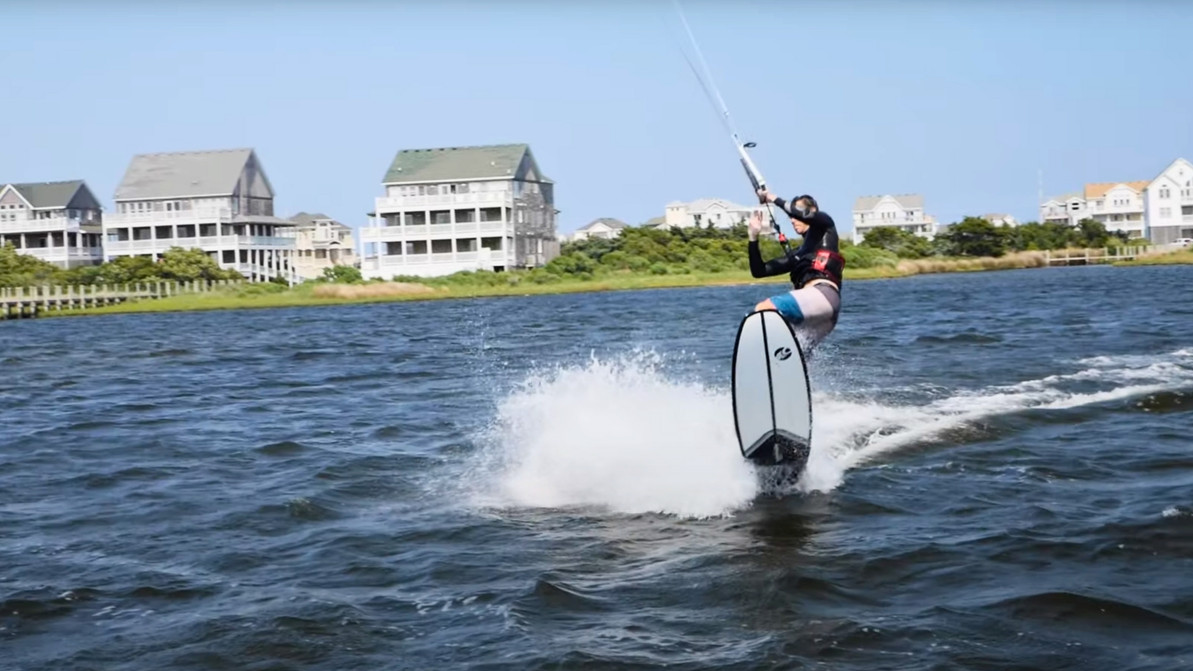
67,256
435,231
207,244
51,225
209,215
451,200
483,258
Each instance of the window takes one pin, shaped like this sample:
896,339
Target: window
462,188
1165,212
1186,210
1165,193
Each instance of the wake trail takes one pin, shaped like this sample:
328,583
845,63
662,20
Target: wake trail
621,436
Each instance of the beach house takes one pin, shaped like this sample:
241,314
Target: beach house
904,211
604,227
320,243
218,201
58,222
450,209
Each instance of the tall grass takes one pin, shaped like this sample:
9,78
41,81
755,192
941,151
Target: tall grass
1008,262
1181,256
380,290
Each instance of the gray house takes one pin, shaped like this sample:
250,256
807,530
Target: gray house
58,222
218,201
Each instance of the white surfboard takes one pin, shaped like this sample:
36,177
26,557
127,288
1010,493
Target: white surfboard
772,398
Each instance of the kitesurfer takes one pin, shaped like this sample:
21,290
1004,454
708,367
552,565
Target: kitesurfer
814,303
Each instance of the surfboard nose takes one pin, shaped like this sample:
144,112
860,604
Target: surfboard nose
772,406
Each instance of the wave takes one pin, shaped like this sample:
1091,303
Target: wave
621,436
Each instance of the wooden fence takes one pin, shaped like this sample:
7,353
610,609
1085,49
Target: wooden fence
1085,257
17,302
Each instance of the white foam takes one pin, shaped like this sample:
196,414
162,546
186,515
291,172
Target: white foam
622,436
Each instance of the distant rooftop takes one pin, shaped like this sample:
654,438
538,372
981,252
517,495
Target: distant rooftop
1099,189
906,200
183,174
498,161
608,221
49,195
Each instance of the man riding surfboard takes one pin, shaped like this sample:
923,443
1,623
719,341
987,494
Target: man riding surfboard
814,304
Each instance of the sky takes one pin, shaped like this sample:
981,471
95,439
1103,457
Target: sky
966,103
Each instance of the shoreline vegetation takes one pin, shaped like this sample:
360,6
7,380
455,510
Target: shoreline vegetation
249,296
638,259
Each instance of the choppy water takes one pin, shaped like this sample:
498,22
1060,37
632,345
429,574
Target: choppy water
1002,477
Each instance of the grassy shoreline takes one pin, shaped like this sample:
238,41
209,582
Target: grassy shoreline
310,295
332,294
1179,257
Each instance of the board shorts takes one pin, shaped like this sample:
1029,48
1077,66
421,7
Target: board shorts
811,311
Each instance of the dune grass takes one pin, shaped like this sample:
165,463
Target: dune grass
1180,256
311,294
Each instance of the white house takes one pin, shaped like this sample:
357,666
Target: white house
321,242
904,211
1117,205
1168,203
1065,209
605,227
58,222
1160,209
217,201
718,212
1000,219
461,208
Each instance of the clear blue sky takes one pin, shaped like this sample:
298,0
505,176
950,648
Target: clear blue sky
960,101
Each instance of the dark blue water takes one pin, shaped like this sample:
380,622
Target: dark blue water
1002,478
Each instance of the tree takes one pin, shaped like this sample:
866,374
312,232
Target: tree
902,243
188,265
975,236
22,270
1093,233
127,269
342,274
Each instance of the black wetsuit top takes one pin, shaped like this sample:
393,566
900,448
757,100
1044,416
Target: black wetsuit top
821,234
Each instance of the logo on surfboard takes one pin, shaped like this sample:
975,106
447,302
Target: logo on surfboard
783,353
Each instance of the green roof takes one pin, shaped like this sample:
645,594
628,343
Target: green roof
444,164
49,194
